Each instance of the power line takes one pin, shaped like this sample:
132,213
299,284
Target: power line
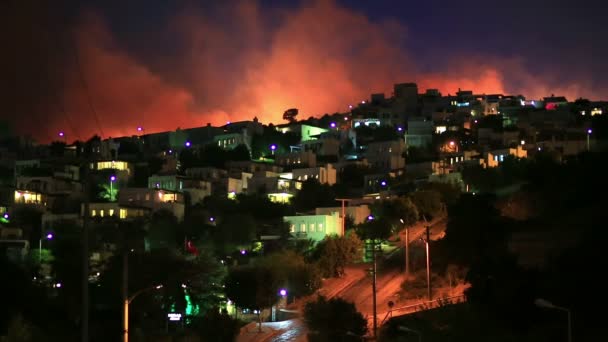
86,90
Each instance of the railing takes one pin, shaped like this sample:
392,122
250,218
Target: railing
422,306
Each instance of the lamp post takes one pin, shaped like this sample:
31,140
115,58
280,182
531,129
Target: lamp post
273,147
407,249
543,303
126,303
410,330
49,236
112,180
589,131
428,262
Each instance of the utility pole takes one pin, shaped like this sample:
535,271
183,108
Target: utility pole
428,264
374,269
125,291
407,251
343,200
85,259
407,248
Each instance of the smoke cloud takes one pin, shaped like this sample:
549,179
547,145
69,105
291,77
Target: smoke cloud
239,61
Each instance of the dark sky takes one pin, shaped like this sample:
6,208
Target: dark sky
167,64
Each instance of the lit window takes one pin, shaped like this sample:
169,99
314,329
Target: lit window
147,197
123,213
93,212
111,212
320,227
101,213
292,228
303,227
312,227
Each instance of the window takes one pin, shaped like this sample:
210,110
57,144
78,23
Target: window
292,228
93,212
123,213
303,227
320,227
101,213
147,197
312,227
111,212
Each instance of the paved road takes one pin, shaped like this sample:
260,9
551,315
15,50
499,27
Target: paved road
355,286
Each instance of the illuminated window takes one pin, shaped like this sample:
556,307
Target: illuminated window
312,227
303,227
111,212
123,213
320,227
93,212
147,197
101,212
292,228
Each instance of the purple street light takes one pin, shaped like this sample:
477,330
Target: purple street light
273,147
61,134
5,216
332,125
112,178
399,129
140,129
49,236
211,219
383,183
243,252
589,131
188,144
283,292
370,217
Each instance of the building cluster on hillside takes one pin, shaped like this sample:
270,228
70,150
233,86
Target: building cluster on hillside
371,149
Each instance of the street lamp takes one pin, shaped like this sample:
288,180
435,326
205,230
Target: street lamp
283,292
112,180
407,249
543,303
49,236
273,147
127,301
410,330
187,144
589,131
428,262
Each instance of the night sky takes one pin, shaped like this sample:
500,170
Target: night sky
168,64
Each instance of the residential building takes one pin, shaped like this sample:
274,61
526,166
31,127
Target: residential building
419,132
153,199
323,147
386,155
359,213
323,174
314,227
296,159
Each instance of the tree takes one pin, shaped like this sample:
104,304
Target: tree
334,253
378,228
334,320
313,195
252,287
216,326
398,212
161,232
290,115
428,203
291,271
191,285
